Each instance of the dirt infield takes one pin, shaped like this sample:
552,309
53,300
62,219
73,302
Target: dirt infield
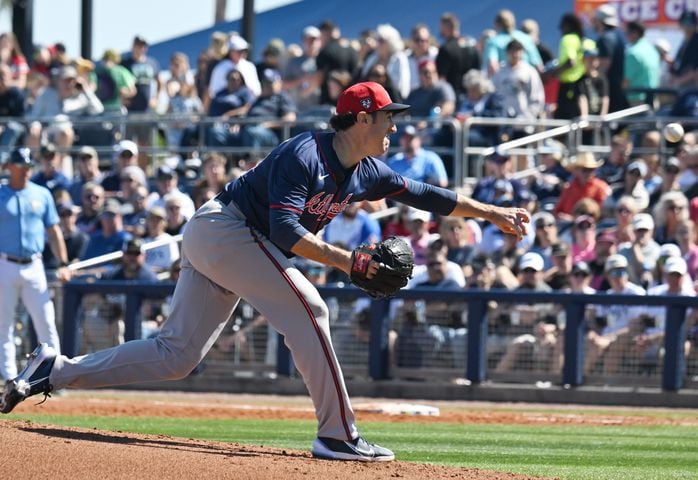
61,452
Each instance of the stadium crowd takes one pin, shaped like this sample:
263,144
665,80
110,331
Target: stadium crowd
624,223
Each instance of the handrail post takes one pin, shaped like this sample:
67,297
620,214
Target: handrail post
674,355
378,355
72,298
477,341
132,317
573,368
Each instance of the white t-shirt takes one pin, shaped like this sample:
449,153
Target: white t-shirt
161,258
619,316
220,72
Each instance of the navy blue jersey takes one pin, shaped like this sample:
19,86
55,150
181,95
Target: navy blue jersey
301,185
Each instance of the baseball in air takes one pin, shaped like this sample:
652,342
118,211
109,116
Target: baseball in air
673,132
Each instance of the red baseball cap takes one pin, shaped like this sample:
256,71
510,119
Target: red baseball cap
367,97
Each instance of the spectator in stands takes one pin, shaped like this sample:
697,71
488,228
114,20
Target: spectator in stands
686,237
419,238
300,74
613,167
633,185
353,227
88,168
671,209
437,271
390,52
398,225
233,101
455,234
669,175
146,71
182,98
520,85
496,48
606,245
49,175
612,320
532,350
175,219
236,60
166,183
111,236
75,240
11,55
545,237
583,184
274,103
126,155
570,68
133,265
611,47
558,275
624,213
213,176
378,73
417,163
549,179
531,28
134,221
11,105
642,63
131,178
72,97
685,64
688,155
457,55
159,259
433,97
643,253
593,92
273,57
498,166
481,100
583,239
92,204
115,83
335,55
421,50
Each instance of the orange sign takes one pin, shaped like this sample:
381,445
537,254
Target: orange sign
649,12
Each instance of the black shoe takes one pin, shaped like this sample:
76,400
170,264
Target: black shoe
357,450
32,380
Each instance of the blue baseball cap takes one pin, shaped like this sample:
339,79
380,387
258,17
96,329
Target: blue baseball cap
21,156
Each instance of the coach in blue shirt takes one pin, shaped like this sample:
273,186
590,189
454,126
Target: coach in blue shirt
27,214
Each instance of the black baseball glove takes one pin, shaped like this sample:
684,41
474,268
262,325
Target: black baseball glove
396,260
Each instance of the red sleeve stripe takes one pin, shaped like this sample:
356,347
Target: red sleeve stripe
399,191
285,207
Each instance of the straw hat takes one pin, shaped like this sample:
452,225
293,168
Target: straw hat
583,160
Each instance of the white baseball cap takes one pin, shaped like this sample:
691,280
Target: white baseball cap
238,43
531,260
127,146
643,221
675,265
669,250
615,261
416,214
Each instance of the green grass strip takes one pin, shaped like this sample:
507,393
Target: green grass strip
568,452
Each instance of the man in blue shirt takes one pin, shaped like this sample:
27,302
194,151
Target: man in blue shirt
50,176
111,237
416,163
27,214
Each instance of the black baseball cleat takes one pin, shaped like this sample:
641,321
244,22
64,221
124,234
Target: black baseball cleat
32,380
357,450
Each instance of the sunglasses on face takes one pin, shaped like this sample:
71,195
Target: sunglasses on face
674,208
580,274
545,225
584,226
623,210
616,273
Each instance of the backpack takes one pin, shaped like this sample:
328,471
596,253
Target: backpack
106,85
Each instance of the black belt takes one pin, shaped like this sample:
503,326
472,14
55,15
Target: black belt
20,260
224,197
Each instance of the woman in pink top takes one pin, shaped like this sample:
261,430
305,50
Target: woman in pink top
685,235
583,239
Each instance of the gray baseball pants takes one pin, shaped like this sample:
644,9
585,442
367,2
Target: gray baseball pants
222,255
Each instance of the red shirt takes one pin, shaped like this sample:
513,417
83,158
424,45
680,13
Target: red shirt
595,188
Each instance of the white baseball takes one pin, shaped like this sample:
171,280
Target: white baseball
673,132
